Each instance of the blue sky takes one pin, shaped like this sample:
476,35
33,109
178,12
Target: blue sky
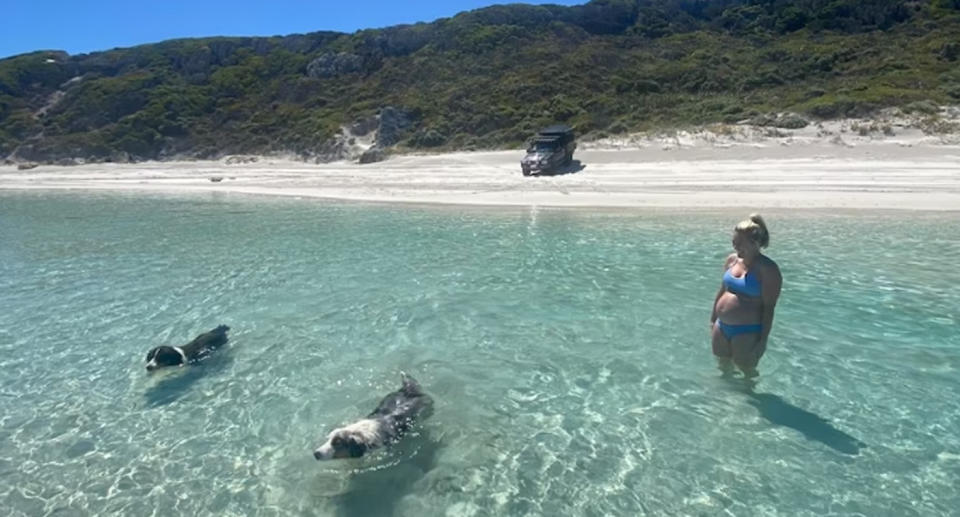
87,25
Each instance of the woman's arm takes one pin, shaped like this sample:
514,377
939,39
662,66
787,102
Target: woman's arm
726,265
713,314
772,281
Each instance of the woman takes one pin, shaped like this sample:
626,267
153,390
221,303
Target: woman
743,309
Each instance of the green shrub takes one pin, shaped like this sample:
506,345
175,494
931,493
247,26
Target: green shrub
925,107
791,121
491,77
428,138
829,106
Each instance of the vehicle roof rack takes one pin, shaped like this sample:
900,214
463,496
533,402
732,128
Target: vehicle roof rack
558,129
547,138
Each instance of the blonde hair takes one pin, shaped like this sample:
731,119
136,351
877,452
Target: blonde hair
754,227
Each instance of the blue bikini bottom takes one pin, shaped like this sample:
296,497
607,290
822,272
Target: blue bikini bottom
731,331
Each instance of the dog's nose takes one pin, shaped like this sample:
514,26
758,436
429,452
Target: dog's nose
317,455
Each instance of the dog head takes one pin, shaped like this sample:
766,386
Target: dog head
165,356
352,441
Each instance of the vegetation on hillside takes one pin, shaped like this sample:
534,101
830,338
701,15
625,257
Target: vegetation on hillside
485,78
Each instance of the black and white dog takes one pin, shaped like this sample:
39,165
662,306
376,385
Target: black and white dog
394,416
201,346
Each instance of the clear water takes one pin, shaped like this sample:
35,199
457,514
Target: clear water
567,352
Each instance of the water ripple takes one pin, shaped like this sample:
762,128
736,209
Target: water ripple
566,351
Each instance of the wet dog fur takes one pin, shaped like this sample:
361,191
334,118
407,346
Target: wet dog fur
392,418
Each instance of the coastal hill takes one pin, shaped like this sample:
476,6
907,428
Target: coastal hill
482,79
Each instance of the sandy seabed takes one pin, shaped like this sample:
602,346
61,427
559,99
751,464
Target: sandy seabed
835,174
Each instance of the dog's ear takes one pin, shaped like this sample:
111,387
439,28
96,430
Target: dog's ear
410,386
355,446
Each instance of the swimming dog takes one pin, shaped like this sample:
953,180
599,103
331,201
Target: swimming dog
201,346
394,416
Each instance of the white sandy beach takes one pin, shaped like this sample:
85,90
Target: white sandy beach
683,171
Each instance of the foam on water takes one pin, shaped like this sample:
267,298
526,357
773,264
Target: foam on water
567,352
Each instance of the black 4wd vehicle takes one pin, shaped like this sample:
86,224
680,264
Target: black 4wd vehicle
550,150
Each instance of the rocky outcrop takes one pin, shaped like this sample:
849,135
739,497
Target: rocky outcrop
373,155
304,43
366,140
365,126
334,65
393,122
401,40
391,125
119,157
196,62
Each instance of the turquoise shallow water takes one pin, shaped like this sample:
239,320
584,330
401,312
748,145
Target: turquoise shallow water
567,352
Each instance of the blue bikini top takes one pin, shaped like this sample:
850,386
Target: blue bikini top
747,285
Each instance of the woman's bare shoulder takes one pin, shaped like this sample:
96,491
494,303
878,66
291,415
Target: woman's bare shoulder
769,266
